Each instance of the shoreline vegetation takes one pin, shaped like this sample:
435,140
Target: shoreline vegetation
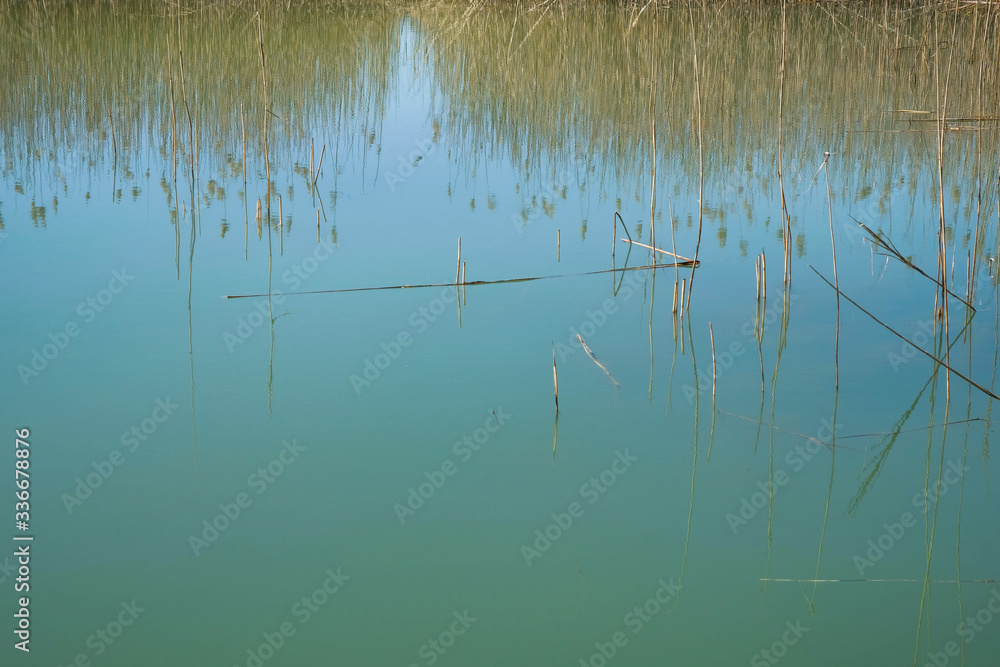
91,84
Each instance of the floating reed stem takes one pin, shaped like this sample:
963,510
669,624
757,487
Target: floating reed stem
665,252
317,225
312,159
458,270
676,285
586,348
501,281
558,244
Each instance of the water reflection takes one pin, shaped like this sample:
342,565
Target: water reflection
391,129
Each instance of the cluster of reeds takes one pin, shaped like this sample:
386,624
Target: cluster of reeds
575,97
71,70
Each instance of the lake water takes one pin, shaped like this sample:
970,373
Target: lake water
335,474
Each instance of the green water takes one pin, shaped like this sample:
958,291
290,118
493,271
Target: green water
381,477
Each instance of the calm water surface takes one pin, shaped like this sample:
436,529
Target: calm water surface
332,476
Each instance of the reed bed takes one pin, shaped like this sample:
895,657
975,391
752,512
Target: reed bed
67,67
576,88
574,97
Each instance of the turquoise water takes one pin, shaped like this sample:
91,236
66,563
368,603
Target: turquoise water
380,477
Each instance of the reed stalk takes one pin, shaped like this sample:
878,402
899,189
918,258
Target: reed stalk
555,379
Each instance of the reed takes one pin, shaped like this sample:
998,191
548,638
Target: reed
319,167
945,363
114,144
701,154
491,110
681,259
711,336
555,384
836,279
501,281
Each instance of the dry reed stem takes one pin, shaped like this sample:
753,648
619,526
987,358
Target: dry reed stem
502,281
701,157
665,252
114,144
319,167
906,340
555,377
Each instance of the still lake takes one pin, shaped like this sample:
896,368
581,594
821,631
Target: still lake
242,454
